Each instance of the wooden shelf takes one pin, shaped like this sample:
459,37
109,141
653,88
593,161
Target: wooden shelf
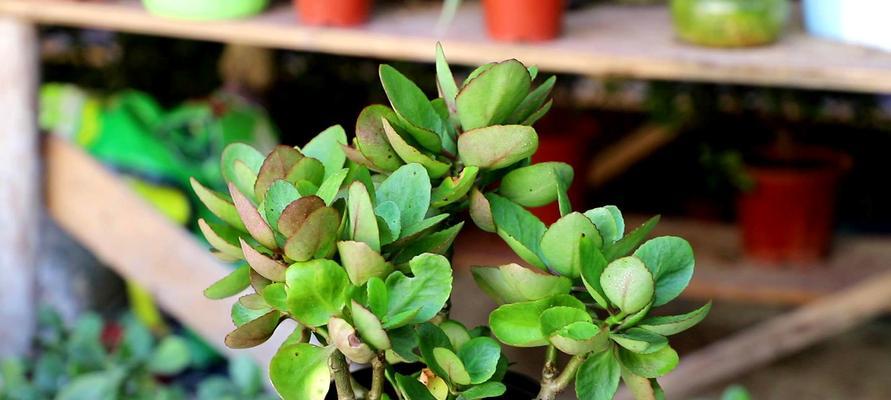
722,273
631,42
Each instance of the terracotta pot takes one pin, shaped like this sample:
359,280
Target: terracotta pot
333,12
788,215
524,20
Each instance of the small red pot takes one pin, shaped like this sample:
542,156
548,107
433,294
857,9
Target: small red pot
524,20
788,216
333,12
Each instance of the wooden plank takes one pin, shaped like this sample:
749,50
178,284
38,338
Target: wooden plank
631,149
19,184
128,235
634,42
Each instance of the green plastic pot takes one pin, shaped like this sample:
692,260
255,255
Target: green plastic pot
205,10
730,23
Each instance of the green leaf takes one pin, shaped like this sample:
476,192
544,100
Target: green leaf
452,365
371,139
102,385
264,265
307,175
171,357
624,246
498,146
218,205
331,185
300,372
628,284
492,96
539,114
736,392
557,318
362,262
480,211
411,389
535,185
485,390
512,283
592,263
670,259
242,314
580,337
343,336
250,160
480,358
519,324
409,188
415,231
255,224
245,374
560,243
640,387
316,236
671,325
255,332
225,241
276,295
453,189
431,337
363,222
412,106
230,285
563,201
598,377
609,222
519,228
378,297
445,80
410,154
391,228
651,365
427,291
295,214
275,167
457,333
317,290
533,101
640,340
369,327
434,243
325,147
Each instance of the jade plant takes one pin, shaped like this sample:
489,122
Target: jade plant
351,240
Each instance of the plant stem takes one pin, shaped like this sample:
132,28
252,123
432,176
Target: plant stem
552,385
341,371
377,378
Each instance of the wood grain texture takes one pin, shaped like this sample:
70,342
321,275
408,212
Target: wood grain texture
126,233
19,185
634,42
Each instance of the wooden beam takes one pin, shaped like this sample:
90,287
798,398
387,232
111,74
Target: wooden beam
127,234
631,149
19,184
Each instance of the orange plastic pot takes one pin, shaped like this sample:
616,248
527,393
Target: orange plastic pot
789,214
333,12
524,20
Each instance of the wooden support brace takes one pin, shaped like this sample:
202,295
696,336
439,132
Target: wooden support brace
635,147
19,184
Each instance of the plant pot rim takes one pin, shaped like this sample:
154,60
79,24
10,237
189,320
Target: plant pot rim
822,160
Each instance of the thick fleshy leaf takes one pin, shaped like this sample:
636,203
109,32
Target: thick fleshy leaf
371,140
537,184
300,371
579,337
276,296
457,333
427,291
361,262
609,222
598,377
316,236
317,290
331,186
453,189
363,222
255,224
519,324
410,155
640,387
480,358
640,340
557,318
325,147
413,389
295,214
591,264
218,205
449,136
651,365
275,167
480,211
431,337
92,385
258,282
308,169
170,357
255,332
378,297
263,264
230,285
498,146
674,324
434,243
388,221
512,283
560,243
424,227
369,327
455,371
279,196
218,241
628,284
250,161
413,107
670,259
409,188
445,81
539,114
484,391
519,228
343,336
630,241
533,101
491,97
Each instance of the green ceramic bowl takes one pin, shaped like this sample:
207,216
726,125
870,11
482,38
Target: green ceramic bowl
730,23
205,10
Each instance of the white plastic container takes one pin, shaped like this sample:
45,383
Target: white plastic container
863,22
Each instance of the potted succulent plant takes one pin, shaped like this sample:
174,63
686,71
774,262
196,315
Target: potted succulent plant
205,10
352,243
730,23
517,20
333,12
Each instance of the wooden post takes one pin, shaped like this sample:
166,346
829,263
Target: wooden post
19,183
